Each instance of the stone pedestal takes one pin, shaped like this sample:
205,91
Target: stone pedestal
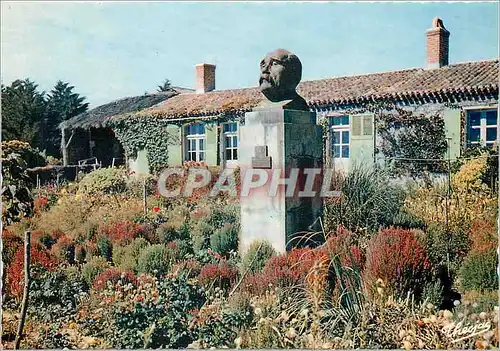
277,141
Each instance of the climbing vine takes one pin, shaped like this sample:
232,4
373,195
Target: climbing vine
137,134
412,143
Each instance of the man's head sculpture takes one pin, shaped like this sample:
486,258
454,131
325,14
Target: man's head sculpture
280,73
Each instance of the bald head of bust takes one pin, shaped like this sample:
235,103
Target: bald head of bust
280,73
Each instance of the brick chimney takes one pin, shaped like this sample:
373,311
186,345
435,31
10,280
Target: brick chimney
205,78
437,44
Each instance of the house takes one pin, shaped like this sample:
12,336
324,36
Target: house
203,125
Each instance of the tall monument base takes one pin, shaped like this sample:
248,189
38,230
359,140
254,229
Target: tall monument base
279,145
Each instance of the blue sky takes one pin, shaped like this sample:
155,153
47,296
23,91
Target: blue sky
113,50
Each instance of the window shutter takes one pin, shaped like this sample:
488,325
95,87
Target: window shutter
367,125
356,125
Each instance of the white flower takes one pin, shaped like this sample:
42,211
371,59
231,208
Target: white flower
258,311
474,305
456,302
483,315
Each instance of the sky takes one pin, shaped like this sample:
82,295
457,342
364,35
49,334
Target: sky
111,50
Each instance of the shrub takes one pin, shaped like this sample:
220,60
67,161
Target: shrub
399,259
257,255
157,259
11,243
367,202
64,249
173,320
483,235
32,157
286,270
104,181
190,267
39,258
135,185
94,267
122,232
225,239
220,275
104,247
54,295
112,276
441,246
125,257
80,253
479,271
343,244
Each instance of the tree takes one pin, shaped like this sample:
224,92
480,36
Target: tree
62,104
166,86
23,112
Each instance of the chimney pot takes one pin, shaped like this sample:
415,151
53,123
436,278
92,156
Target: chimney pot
205,78
437,44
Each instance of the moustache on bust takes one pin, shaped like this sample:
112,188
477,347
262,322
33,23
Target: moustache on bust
266,79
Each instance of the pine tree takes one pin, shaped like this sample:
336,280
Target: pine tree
23,112
166,86
62,104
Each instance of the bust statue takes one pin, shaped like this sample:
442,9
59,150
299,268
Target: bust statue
280,73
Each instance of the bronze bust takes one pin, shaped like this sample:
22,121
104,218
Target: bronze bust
280,73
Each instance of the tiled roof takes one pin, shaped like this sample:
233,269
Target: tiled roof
456,82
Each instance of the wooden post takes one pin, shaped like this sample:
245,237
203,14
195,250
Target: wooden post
64,147
24,304
144,195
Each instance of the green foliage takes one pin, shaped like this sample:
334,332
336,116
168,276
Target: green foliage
23,112
225,240
220,331
490,175
17,200
442,246
257,256
104,180
30,116
105,247
479,271
54,295
62,104
125,257
32,157
94,267
135,185
148,134
166,86
433,293
163,325
221,228
367,202
157,259
406,135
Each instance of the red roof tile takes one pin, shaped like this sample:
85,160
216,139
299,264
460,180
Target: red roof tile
470,78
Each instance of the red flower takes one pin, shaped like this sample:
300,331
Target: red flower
44,200
156,209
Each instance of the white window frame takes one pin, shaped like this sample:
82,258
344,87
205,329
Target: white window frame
482,127
341,129
233,148
198,152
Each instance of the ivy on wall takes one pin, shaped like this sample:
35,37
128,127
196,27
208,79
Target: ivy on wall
413,143
148,134
412,140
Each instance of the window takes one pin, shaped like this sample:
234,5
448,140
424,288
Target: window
481,127
195,142
230,136
339,130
